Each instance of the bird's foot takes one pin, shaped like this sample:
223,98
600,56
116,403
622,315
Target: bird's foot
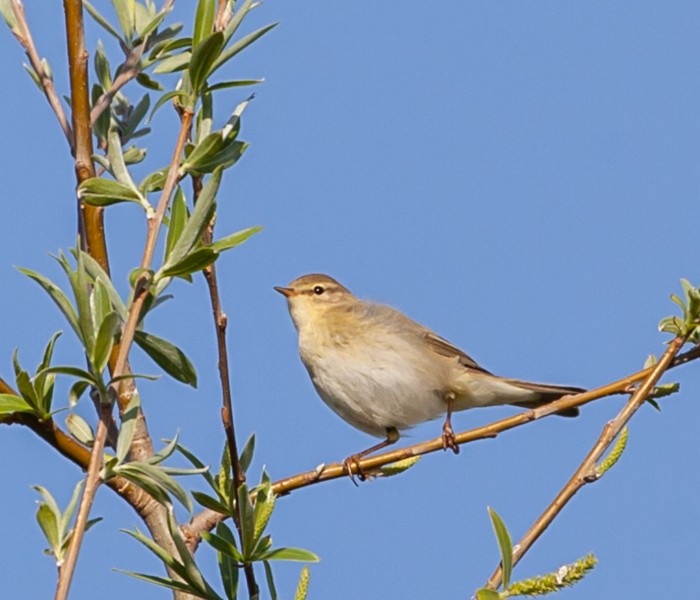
353,468
449,440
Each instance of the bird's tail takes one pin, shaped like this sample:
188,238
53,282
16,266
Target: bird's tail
548,393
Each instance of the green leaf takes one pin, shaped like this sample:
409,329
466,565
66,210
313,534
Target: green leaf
102,68
504,544
203,152
101,20
10,403
48,521
211,503
73,372
104,342
126,431
231,84
76,391
178,218
24,384
229,155
223,546
196,261
247,453
165,557
58,297
487,594
148,83
199,219
8,15
70,509
95,271
295,554
238,17
100,305
172,584
152,24
176,62
167,356
247,521
98,191
204,55
164,98
228,567
189,455
80,429
154,481
240,45
43,384
137,114
235,239
203,20
154,182
399,466
126,13
269,577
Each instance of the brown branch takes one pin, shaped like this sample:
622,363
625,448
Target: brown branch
24,37
586,473
207,519
84,169
129,69
220,323
91,227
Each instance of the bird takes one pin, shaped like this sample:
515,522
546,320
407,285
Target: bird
384,373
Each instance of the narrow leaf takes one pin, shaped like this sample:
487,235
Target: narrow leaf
104,192
106,336
240,45
10,403
204,55
168,357
80,429
126,431
295,554
58,297
235,239
203,20
504,545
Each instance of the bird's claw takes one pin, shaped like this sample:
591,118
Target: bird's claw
449,440
352,467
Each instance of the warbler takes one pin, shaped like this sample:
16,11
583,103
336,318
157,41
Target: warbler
382,372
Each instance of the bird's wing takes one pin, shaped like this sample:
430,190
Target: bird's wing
444,348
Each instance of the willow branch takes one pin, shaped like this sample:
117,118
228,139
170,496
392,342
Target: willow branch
24,37
586,473
207,519
129,69
220,323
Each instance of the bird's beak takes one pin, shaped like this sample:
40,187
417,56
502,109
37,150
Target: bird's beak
286,292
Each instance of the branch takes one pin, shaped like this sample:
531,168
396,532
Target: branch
84,169
221,322
129,70
586,473
24,37
207,519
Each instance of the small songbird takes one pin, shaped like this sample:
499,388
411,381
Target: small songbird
383,372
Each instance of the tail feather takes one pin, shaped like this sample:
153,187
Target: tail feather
548,393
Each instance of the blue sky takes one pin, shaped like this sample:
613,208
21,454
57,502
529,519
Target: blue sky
520,177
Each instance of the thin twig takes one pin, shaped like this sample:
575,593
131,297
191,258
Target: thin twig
24,37
586,471
220,323
129,69
207,519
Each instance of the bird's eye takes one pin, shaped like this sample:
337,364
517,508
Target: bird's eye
318,290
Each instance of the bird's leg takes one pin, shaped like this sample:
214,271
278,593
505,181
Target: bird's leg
352,462
448,434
